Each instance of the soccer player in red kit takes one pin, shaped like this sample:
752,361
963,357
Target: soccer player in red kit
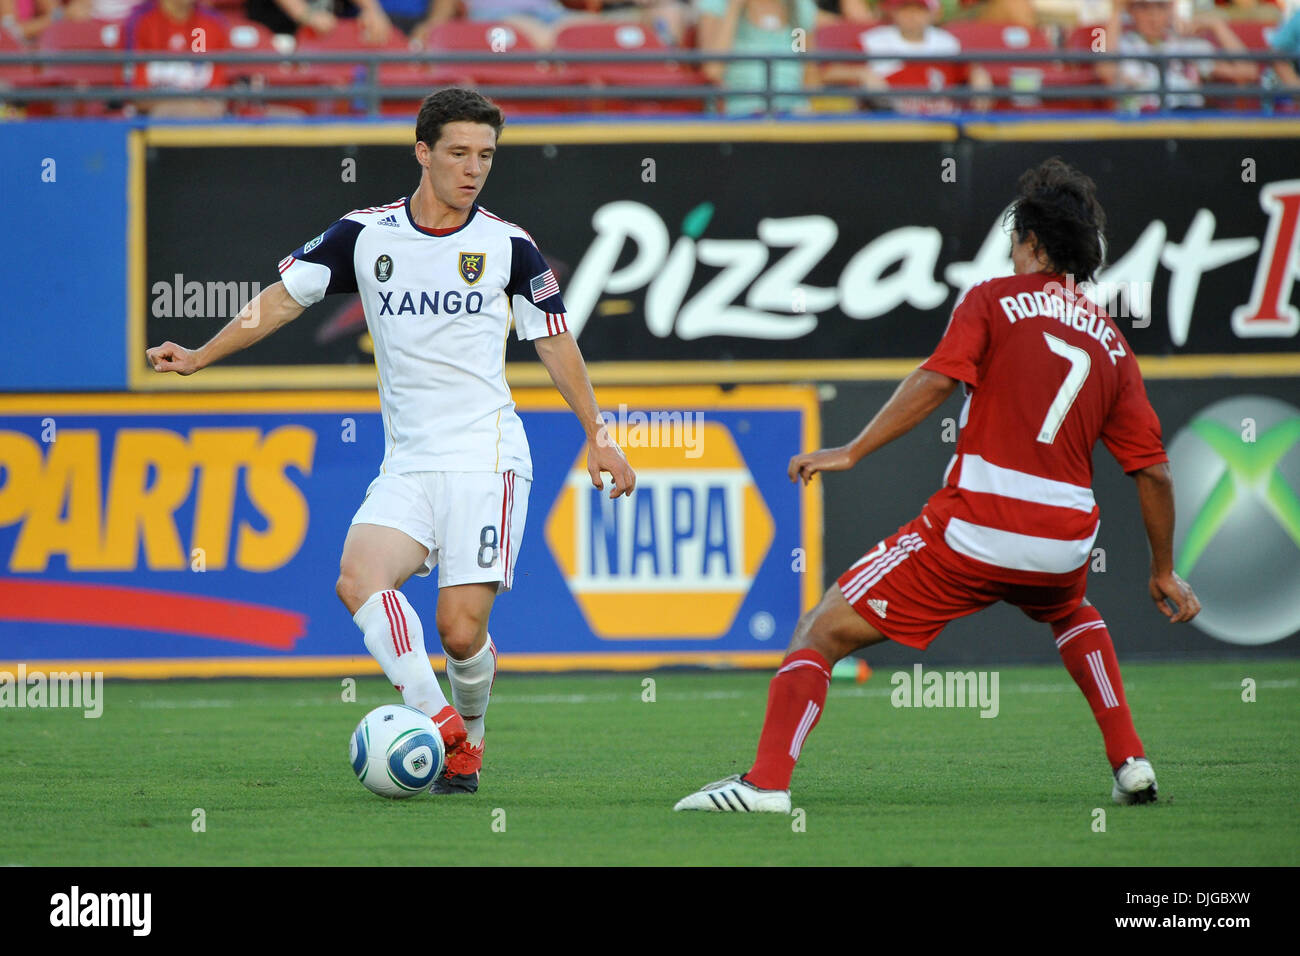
1047,373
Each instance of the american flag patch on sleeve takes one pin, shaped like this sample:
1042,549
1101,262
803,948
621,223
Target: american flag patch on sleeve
544,286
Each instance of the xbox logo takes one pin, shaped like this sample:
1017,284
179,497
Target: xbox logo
1237,471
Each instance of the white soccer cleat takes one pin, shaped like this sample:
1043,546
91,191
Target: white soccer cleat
734,795
1135,782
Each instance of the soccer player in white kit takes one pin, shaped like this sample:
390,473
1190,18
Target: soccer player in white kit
442,280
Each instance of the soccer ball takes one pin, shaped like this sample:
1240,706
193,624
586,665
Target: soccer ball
396,751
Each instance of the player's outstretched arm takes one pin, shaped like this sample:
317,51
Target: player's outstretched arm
1155,487
915,398
563,360
266,312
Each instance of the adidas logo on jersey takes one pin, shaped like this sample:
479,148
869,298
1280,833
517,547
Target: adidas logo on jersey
878,605
389,220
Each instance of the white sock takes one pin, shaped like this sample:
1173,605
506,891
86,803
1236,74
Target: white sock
395,637
471,685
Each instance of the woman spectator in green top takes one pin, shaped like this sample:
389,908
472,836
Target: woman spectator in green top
759,26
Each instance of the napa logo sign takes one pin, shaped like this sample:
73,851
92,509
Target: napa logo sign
676,559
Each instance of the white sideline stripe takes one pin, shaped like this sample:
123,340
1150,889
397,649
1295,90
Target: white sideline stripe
1019,552
985,477
1074,632
1103,681
837,691
805,725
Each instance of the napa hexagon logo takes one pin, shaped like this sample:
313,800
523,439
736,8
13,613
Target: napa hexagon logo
677,558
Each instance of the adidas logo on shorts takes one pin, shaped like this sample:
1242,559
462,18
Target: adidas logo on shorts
878,605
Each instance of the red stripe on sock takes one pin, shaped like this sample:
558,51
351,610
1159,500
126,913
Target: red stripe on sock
401,622
795,701
1109,706
392,623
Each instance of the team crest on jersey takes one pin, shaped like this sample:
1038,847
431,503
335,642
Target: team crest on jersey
471,266
383,268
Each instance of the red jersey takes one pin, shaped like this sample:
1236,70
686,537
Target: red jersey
204,30
1047,373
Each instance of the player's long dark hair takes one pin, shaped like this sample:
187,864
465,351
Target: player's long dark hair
1058,204
454,105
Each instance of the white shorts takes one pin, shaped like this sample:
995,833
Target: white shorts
471,522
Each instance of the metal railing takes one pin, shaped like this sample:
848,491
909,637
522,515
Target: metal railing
367,89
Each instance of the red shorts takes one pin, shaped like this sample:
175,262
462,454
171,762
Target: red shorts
912,584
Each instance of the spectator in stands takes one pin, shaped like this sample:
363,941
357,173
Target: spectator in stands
286,16
668,19
1287,40
1021,13
854,11
536,19
24,20
407,15
178,26
99,9
758,26
910,32
1153,30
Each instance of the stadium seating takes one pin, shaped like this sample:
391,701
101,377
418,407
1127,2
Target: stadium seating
18,75
977,36
346,38
247,36
465,36
844,35
82,35
613,37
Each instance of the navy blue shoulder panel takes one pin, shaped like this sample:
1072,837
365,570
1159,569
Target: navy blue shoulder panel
334,249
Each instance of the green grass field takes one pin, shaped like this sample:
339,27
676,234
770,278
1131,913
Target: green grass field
582,771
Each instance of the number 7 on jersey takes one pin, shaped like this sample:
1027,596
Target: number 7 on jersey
1080,366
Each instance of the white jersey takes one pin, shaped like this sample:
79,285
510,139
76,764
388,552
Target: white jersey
439,305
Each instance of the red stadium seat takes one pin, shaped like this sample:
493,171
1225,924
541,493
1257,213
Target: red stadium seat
978,36
82,35
1257,35
346,37
844,35
467,36
247,36
613,37
18,75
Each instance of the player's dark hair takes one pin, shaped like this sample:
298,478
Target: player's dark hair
1058,204
455,105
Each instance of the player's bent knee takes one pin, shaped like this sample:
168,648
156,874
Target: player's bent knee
460,641
352,590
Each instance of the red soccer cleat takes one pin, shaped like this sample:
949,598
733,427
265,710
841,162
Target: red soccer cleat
461,772
452,728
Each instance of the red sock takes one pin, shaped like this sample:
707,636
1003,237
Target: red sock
795,700
1089,656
